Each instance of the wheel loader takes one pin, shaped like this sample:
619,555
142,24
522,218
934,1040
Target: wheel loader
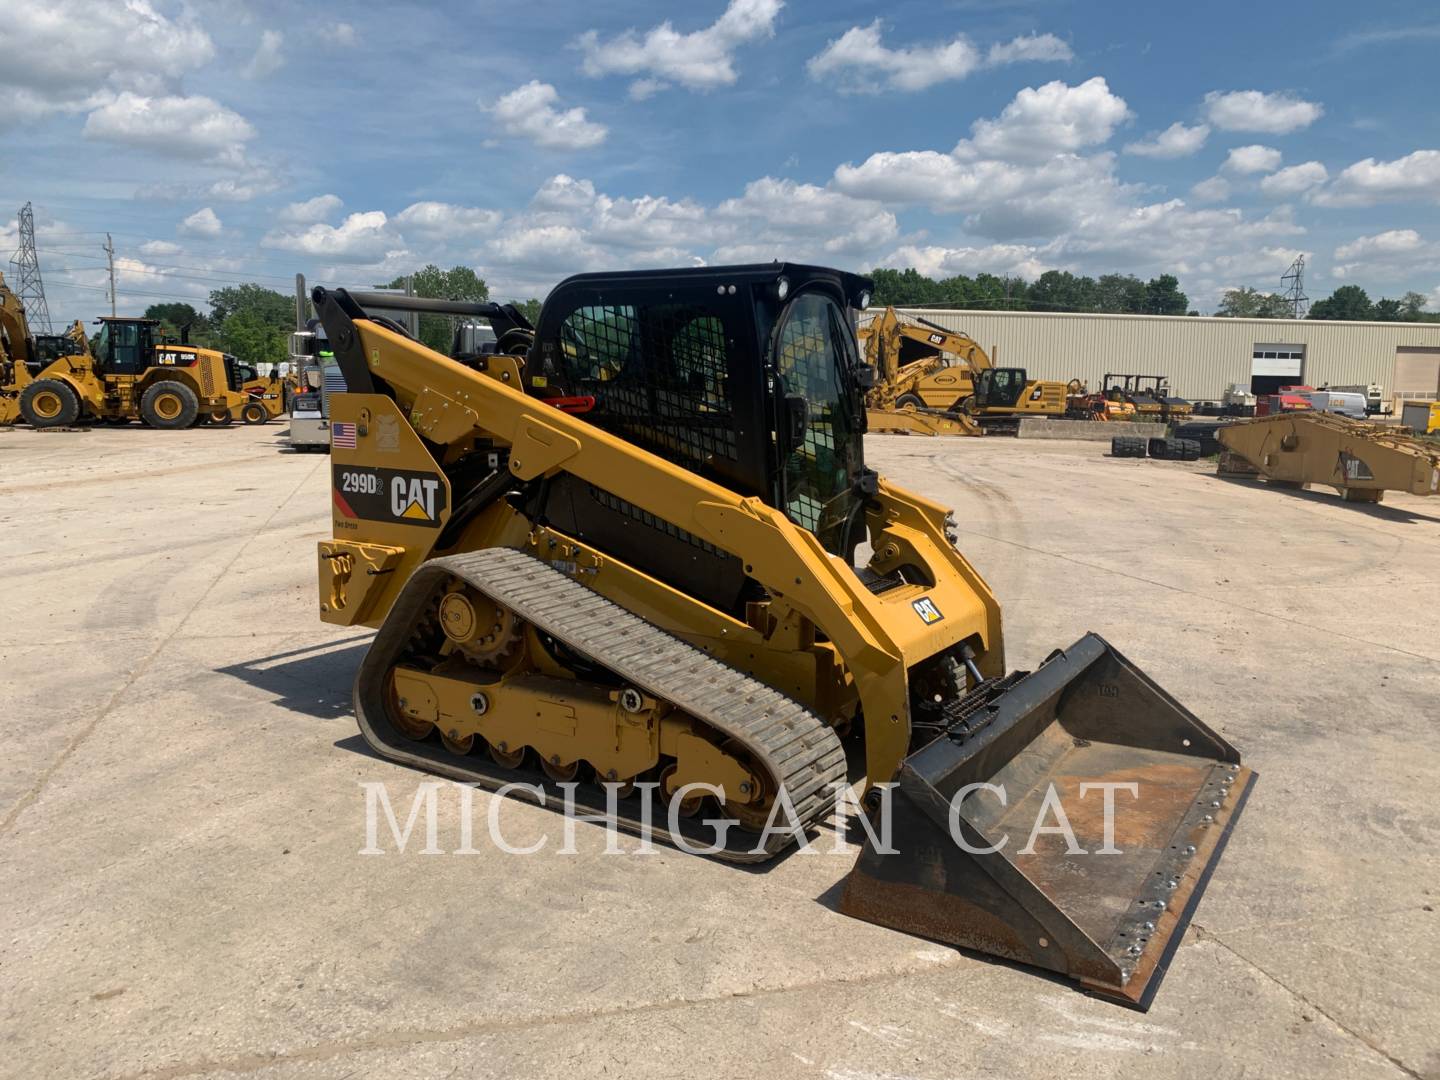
131,375
635,557
922,373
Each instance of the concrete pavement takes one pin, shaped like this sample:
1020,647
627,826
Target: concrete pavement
181,812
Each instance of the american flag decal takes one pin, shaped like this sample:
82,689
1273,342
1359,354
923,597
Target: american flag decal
342,436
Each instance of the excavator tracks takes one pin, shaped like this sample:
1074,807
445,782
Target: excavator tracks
800,752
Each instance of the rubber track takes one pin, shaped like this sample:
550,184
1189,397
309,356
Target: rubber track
800,751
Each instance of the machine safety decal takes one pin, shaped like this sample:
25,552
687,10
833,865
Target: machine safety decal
396,496
926,609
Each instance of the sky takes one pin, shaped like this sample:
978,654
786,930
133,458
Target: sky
250,140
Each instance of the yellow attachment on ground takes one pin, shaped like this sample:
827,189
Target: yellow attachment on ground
1361,460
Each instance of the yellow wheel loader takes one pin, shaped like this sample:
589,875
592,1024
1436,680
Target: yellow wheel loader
268,394
922,373
617,559
129,376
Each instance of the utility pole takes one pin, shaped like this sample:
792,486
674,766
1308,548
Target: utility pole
29,288
110,257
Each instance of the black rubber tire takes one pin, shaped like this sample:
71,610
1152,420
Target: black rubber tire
58,404
255,412
169,405
116,421
909,401
220,417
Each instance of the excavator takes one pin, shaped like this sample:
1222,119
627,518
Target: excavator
632,558
922,372
1006,395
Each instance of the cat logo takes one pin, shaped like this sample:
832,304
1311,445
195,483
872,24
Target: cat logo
937,339
413,499
926,609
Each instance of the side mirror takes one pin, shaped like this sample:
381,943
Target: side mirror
796,417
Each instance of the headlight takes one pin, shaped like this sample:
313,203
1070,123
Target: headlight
782,288
864,301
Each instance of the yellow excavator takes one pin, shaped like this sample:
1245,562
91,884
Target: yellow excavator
616,557
922,372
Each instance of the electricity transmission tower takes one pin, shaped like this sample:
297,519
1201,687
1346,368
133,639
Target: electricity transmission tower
29,288
1294,282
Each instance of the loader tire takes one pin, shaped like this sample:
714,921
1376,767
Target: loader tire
49,403
255,413
220,417
169,405
909,401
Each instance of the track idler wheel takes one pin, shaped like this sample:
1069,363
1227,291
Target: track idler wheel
504,756
689,807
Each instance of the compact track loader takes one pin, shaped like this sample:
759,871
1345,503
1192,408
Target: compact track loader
619,554
1361,460
922,373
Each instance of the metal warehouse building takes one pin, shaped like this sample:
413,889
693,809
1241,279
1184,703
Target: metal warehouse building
1203,355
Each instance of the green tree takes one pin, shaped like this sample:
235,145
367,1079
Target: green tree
1163,296
1248,303
457,283
175,317
530,309
1120,294
1412,306
252,339
1060,290
1387,310
252,322
1346,302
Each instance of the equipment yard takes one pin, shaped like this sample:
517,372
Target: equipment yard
182,813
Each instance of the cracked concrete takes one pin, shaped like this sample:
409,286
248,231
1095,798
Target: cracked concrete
181,815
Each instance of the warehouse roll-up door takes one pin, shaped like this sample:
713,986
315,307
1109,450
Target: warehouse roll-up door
1417,373
1275,365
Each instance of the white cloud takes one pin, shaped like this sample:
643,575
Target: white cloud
194,127
941,262
359,238
1412,178
63,54
1244,160
311,210
859,60
529,112
1295,180
1392,242
447,220
1213,189
701,60
269,56
1176,141
202,222
156,248
1029,47
1253,110
343,35
1053,119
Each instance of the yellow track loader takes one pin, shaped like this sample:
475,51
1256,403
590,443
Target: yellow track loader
922,373
616,558
1359,459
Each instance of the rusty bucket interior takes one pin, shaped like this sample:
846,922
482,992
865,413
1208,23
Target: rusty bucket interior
999,838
